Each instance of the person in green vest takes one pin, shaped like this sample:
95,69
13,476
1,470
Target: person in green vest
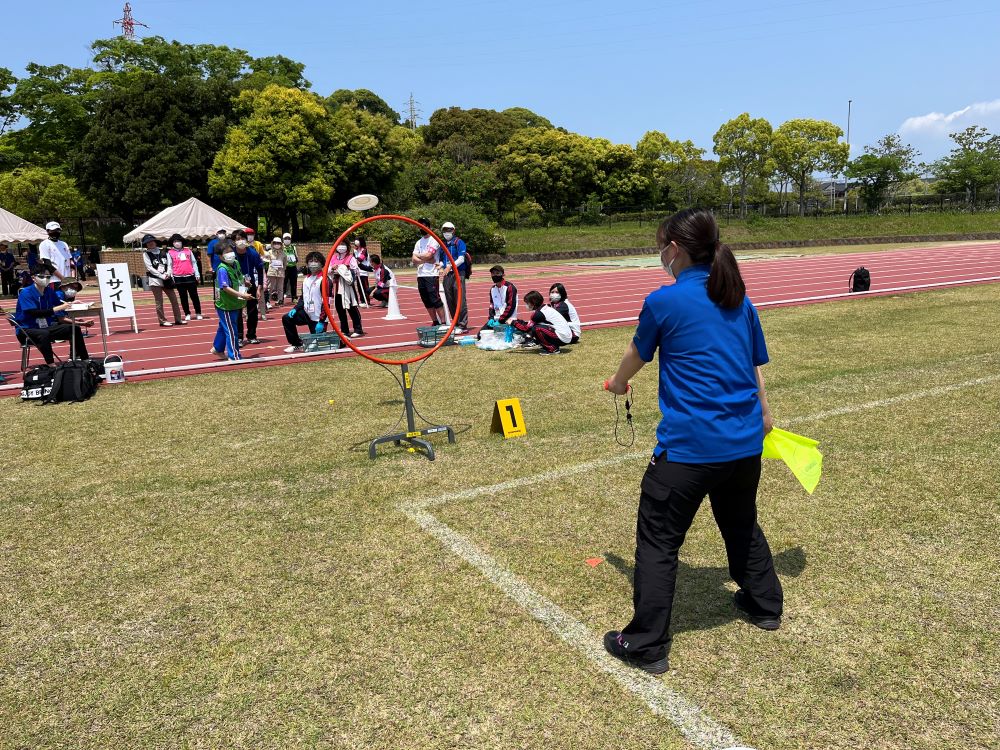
291,267
230,299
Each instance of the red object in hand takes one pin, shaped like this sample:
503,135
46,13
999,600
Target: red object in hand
607,384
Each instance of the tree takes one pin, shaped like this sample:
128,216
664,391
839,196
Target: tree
274,158
366,151
886,164
39,195
744,145
363,99
551,167
151,142
525,118
467,135
974,164
8,112
618,179
802,147
58,102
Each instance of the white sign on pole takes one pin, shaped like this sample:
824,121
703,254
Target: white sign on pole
115,283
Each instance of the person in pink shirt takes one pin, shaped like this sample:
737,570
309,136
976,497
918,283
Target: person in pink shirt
186,275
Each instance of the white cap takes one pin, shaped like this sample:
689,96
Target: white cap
357,243
52,226
447,225
286,236
276,239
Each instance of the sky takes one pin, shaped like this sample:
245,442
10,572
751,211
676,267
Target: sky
615,70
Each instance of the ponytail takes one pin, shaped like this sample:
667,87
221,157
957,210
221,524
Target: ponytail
725,283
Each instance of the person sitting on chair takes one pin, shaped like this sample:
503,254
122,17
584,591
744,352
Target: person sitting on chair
40,320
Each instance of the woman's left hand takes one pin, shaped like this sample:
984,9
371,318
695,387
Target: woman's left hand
768,422
619,389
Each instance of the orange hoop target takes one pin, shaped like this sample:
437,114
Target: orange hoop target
331,316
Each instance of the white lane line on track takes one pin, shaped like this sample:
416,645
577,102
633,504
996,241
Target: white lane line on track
700,729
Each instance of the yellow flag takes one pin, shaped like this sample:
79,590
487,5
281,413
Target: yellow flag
799,453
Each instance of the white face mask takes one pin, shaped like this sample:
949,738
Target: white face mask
241,243
250,238
229,257
554,297
314,267
221,235
669,266
448,235
286,243
69,293
178,245
42,281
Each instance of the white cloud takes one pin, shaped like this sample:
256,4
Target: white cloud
940,124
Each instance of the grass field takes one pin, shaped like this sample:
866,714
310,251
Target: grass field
213,561
636,235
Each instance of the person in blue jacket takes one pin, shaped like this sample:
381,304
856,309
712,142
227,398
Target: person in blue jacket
214,251
709,442
456,246
252,267
40,318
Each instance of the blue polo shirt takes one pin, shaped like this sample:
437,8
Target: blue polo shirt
708,386
31,301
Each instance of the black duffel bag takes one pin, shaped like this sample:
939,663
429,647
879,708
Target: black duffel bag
38,383
75,380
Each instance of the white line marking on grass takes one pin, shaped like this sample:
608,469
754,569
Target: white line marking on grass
692,722
523,481
903,398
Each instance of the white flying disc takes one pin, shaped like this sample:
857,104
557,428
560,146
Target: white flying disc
362,202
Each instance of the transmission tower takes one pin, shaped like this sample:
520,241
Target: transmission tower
413,111
128,23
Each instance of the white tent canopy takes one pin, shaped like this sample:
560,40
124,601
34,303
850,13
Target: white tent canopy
191,219
15,229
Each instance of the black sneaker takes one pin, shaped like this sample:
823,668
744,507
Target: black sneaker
614,644
764,622
253,341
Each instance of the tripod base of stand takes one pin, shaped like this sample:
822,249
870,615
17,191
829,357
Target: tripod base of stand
413,439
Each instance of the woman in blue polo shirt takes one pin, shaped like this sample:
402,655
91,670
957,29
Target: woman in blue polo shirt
709,442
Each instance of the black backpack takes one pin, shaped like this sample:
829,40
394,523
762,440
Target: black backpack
38,383
75,380
467,266
860,280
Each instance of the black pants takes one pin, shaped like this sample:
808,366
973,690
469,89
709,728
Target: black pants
7,285
252,315
290,324
292,281
451,295
186,290
671,494
42,338
342,316
380,294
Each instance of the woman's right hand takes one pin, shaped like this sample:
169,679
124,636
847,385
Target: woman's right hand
619,389
768,421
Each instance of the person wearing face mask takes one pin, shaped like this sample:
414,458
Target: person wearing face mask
546,327
230,298
308,310
40,318
252,241
456,246
503,299
252,268
364,270
383,278
343,272
185,274
425,253
56,252
715,416
291,267
560,302
216,247
158,272
274,259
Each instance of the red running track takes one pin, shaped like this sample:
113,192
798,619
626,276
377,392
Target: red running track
604,296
